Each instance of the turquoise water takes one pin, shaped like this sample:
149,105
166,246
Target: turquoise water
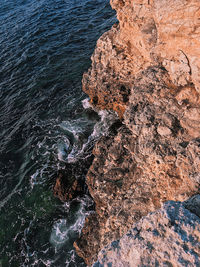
45,48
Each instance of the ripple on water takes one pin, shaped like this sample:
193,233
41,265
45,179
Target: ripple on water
45,48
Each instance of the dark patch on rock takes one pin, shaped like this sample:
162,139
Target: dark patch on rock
70,182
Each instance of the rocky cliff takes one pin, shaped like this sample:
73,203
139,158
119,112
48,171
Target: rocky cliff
146,68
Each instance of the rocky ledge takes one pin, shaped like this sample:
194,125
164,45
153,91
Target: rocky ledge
169,236
146,69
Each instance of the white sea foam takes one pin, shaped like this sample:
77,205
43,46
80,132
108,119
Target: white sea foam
102,127
86,103
77,127
107,118
69,143
73,126
63,150
64,229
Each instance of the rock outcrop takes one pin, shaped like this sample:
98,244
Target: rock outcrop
153,158
150,32
147,70
108,75
169,236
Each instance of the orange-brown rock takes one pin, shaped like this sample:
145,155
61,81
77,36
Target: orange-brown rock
147,69
108,74
152,159
165,31
149,32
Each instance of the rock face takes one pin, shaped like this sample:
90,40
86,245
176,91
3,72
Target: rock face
108,75
168,237
149,32
165,31
154,157
147,70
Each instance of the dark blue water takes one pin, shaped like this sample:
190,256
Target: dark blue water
45,48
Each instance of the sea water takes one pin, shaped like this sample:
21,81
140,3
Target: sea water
45,46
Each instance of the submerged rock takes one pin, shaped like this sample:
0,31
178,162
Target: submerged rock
70,182
67,187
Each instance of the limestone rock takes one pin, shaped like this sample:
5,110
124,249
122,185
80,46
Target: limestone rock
168,237
166,31
150,32
147,69
108,74
141,167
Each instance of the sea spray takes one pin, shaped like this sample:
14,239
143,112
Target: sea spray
77,130
67,229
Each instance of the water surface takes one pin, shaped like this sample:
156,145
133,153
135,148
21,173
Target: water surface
45,48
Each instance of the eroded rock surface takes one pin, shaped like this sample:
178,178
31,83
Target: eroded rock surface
108,74
149,32
168,237
167,31
147,70
153,158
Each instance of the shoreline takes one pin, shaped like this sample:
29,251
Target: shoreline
147,70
